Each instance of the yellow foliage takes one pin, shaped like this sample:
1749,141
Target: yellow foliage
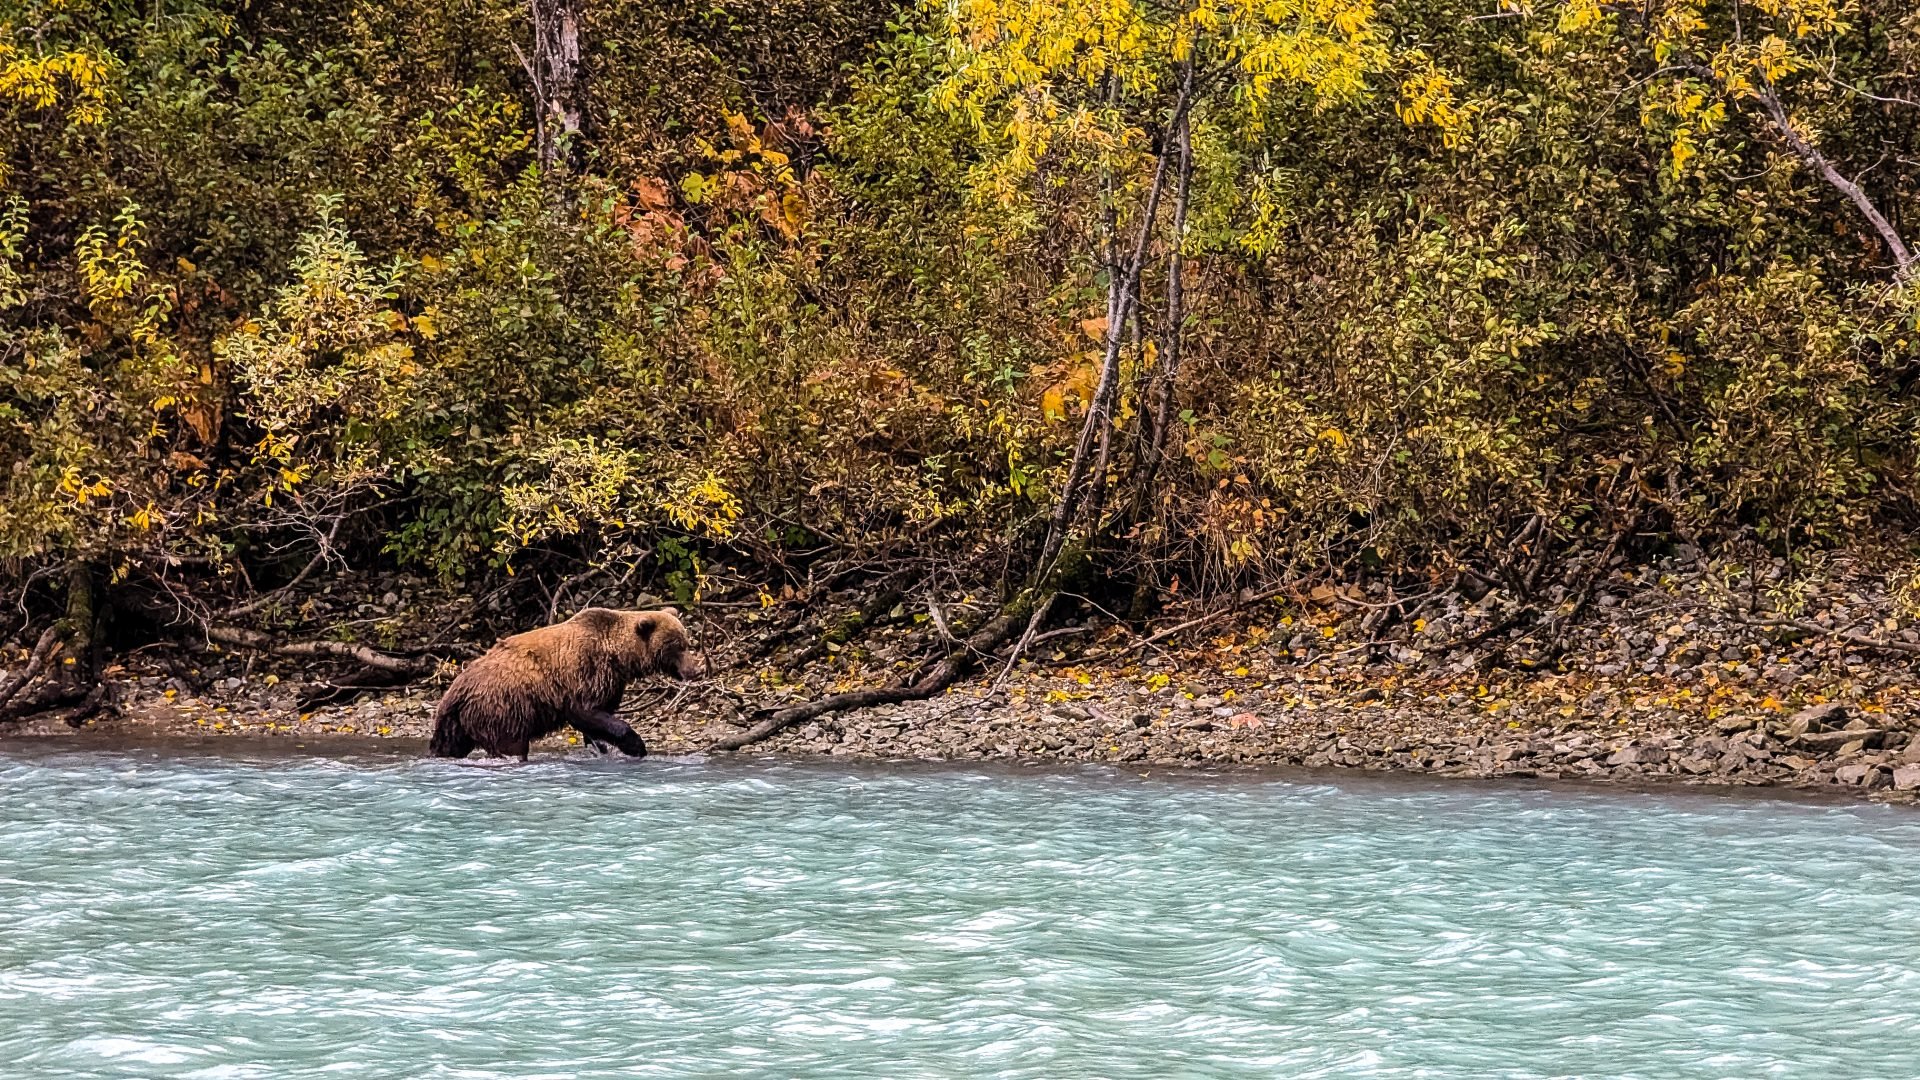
704,506
1427,96
1012,64
34,80
1721,59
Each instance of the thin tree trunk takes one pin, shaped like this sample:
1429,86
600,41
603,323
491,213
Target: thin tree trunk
1024,615
1121,298
1097,496
82,616
1902,255
558,82
1160,418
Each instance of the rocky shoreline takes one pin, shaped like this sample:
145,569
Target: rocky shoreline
1823,747
1835,747
1657,684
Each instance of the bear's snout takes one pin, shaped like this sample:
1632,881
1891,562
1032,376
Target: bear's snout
691,666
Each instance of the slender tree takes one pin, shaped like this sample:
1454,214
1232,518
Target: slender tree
559,83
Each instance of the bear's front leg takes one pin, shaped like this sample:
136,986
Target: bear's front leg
604,727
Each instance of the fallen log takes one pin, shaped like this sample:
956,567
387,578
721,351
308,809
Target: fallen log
338,650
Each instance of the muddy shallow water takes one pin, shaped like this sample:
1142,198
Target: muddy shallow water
246,907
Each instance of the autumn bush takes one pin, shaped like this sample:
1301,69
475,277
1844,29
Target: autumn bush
284,281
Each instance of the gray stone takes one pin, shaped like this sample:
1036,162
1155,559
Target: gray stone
1728,725
1826,741
1869,776
1637,755
1906,778
1817,717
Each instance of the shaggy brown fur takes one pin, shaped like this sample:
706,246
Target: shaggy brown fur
570,673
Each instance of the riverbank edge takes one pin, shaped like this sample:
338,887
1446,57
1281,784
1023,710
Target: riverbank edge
1832,750
387,750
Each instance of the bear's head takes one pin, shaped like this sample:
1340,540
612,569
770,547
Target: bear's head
656,643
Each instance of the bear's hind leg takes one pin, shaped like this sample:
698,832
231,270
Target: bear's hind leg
604,727
514,749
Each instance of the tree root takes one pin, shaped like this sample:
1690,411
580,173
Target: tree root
87,698
82,700
937,679
97,700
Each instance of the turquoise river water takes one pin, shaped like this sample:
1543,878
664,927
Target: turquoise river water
177,913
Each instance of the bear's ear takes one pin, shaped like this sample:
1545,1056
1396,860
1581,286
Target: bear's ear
646,626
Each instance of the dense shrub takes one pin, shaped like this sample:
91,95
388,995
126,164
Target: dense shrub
271,267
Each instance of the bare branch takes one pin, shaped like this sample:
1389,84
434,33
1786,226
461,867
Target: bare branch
325,554
43,650
943,675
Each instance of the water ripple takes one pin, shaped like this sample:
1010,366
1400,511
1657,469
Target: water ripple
179,916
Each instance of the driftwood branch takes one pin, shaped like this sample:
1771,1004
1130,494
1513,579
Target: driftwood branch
336,650
1863,641
942,675
43,651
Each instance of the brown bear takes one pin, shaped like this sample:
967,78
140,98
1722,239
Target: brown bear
571,673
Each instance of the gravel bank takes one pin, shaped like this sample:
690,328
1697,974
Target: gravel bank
1657,683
